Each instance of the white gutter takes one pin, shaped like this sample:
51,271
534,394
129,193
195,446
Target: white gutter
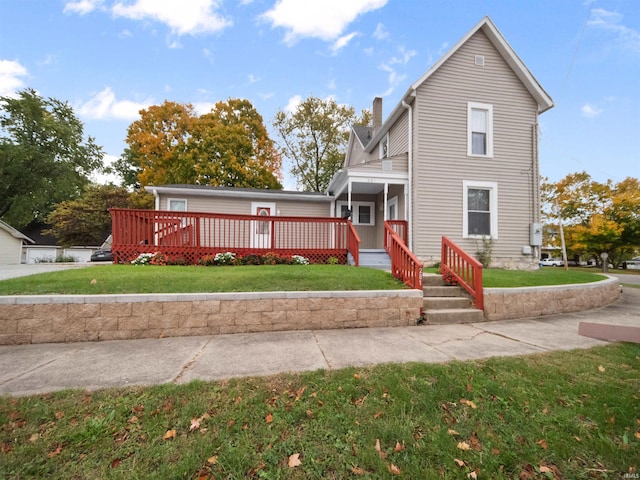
410,172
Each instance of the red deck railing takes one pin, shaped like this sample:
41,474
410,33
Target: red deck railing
457,266
193,235
404,264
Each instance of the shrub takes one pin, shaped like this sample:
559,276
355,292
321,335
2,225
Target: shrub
333,261
300,260
226,258
143,259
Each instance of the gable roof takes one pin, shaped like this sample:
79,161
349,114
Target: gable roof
509,55
13,232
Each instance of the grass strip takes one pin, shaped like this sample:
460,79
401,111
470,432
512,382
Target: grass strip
119,279
557,415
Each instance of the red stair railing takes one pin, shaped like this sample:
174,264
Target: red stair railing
458,267
405,265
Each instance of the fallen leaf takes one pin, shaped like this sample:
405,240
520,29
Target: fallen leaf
474,442
138,408
452,432
357,471
399,447
356,376
115,463
57,451
171,434
309,413
637,435
133,419
268,418
94,281
381,454
601,368
473,475
545,469
468,403
59,415
377,415
195,424
543,443
238,400
459,462
294,460
34,437
463,446
495,451
393,469
212,460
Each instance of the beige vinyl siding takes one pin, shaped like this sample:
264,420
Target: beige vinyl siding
398,165
242,206
367,233
10,248
398,136
441,163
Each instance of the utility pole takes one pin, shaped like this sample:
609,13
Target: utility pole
564,247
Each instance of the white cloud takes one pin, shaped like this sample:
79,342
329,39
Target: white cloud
266,96
381,33
251,79
104,105
10,73
293,104
202,108
106,178
323,19
183,17
332,84
405,56
590,111
394,78
82,7
342,42
627,37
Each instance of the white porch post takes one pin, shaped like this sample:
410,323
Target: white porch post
349,196
386,198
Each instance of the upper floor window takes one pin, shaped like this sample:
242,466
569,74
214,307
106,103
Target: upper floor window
480,129
384,147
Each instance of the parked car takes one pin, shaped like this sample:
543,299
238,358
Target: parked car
102,256
633,264
551,262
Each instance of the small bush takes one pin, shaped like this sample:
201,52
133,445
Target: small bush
333,261
143,259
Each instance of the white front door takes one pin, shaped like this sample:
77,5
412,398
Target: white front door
261,231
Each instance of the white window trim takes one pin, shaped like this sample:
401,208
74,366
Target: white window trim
493,207
380,147
355,215
489,109
186,205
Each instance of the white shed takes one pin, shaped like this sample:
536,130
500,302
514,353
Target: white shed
11,241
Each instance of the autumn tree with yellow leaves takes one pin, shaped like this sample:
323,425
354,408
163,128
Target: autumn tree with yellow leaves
597,217
229,146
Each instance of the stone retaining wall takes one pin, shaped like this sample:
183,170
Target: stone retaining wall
510,303
80,318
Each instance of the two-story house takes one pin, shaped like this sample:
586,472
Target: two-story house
457,156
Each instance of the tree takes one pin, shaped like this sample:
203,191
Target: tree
86,220
44,158
597,217
314,138
229,146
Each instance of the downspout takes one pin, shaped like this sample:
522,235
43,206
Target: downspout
410,171
155,194
535,181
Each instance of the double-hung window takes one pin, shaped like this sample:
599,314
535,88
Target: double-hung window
480,209
362,213
479,129
177,205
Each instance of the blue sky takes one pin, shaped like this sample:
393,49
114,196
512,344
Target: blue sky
110,58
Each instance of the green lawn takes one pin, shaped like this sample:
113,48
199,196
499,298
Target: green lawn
563,415
114,279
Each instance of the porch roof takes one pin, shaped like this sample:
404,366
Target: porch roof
370,177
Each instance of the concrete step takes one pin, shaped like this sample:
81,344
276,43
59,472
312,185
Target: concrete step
442,291
451,316
374,259
432,280
443,303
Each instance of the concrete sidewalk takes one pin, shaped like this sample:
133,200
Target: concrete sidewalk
30,369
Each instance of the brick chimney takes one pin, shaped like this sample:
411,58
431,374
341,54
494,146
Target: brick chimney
377,112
